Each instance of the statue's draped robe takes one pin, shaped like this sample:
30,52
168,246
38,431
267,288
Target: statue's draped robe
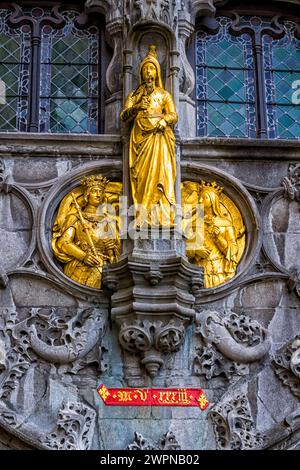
220,266
152,154
73,233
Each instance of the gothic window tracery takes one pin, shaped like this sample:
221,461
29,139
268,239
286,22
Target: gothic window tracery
50,70
246,75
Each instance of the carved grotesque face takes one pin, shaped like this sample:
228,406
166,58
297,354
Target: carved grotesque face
95,196
149,72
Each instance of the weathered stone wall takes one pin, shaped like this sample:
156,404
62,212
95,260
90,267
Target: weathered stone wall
242,344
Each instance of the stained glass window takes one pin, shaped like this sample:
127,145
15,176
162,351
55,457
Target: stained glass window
14,75
69,86
241,93
225,84
50,70
282,69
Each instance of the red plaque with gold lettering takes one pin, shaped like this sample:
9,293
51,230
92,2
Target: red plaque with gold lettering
153,396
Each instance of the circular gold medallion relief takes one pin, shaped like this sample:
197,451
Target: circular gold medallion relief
215,231
85,233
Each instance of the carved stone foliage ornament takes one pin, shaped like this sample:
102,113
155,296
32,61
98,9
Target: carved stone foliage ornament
291,183
86,230
286,365
39,346
74,429
150,339
167,442
216,232
234,427
229,343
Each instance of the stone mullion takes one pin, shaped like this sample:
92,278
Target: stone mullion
260,91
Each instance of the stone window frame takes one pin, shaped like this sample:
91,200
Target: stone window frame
84,20
209,24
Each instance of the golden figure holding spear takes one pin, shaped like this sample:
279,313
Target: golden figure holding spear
84,240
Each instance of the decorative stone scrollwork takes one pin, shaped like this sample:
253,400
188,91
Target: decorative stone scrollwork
234,427
236,337
14,362
210,362
151,338
286,365
74,429
167,442
58,339
291,183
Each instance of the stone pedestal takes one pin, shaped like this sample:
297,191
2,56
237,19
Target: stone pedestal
153,296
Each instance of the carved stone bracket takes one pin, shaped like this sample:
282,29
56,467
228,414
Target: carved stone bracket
234,427
74,429
152,302
286,365
236,337
151,339
167,442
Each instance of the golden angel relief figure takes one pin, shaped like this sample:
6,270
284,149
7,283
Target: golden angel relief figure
86,230
152,146
215,231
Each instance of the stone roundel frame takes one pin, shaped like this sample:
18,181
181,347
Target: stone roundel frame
235,190
63,186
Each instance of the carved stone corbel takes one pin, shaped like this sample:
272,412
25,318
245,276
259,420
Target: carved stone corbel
151,339
153,301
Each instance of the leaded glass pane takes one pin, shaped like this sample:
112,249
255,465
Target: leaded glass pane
14,75
69,79
225,84
282,69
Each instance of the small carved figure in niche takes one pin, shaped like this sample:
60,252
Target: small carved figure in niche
223,240
152,145
85,232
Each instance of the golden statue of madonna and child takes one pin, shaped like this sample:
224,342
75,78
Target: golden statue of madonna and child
85,239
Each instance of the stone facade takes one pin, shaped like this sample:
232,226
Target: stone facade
239,342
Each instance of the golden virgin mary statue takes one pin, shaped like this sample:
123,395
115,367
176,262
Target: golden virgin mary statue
152,145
